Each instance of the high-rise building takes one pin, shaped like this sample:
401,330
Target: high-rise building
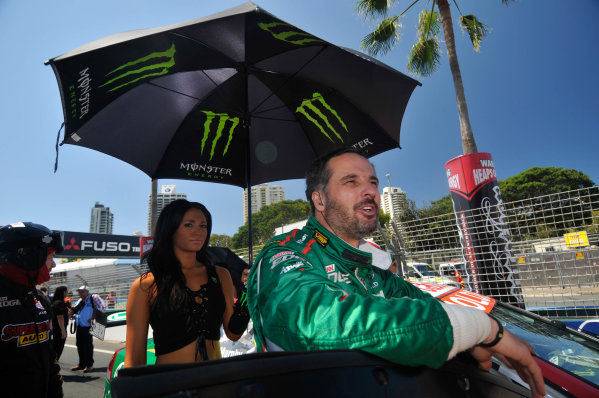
393,201
101,219
262,195
168,194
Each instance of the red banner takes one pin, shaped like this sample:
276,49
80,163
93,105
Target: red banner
485,237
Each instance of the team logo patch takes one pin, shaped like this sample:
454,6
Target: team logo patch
330,268
26,333
302,240
320,238
291,267
284,257
273,258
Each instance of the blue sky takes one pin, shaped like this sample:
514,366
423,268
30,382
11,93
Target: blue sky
532,94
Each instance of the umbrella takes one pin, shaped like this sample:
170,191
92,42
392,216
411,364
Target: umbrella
240,97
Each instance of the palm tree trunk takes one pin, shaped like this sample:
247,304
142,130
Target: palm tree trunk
468,143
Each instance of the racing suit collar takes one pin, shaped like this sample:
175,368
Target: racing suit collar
327,238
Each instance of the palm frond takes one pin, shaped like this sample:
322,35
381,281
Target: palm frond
384,37
373,8
424,57
429,24
476,29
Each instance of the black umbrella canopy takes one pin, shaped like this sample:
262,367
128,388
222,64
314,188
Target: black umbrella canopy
240,97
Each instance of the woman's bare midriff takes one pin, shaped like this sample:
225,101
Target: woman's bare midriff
186,354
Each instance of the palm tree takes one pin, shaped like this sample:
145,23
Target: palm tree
425,55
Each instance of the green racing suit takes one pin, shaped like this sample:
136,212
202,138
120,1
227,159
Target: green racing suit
309,290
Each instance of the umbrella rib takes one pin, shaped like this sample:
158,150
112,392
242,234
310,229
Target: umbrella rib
216,86
173,91
289,77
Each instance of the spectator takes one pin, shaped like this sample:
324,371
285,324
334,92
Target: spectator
313,289
183,296
27,358
60,321
84,308
111,300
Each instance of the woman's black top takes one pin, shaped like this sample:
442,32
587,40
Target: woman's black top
59,308
174,329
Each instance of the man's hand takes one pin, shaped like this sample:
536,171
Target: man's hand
517,354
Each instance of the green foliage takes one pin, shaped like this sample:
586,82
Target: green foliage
220,240
69,260
593,226
437,207
372,8
425,54
383,38
384,218
424,57
539,181
410,212
475,29
268,219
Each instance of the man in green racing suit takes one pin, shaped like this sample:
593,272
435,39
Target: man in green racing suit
313,289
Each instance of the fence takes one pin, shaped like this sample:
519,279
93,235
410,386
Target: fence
102,278
549,242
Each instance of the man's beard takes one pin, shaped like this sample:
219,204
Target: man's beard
346,223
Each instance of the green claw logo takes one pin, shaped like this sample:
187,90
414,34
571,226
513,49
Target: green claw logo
143,71
311,111
222,121
286,36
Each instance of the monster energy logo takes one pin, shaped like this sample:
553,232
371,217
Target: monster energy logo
311,111
143,70
222,121
301,37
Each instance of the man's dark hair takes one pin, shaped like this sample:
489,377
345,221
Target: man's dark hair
318,174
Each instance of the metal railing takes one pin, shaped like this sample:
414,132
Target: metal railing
552,248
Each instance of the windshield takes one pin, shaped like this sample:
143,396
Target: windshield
425,270
559,346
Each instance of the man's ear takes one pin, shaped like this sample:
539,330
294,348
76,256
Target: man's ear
317,200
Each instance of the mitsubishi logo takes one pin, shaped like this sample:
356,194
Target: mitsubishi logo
73,245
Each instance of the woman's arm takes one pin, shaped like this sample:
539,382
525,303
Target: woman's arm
138,319
229,292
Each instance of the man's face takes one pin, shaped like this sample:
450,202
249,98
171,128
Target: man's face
83,293
351,198
50,262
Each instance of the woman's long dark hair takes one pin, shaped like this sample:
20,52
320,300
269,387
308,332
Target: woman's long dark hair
169,281
59,293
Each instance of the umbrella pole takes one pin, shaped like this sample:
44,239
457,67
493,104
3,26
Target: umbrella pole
246,126
249,210
153,206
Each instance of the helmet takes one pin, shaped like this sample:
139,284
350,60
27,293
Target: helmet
26,244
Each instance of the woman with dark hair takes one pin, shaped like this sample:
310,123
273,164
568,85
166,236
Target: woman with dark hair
183,296
60,319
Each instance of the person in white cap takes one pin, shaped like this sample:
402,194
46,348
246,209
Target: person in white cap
84,308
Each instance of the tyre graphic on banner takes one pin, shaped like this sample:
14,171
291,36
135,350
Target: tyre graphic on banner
482,224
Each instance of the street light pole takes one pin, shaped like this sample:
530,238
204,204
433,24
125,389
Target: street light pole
389,195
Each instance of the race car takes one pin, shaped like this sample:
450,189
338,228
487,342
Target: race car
569,361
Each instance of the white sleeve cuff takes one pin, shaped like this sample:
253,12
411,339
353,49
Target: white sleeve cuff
470,327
